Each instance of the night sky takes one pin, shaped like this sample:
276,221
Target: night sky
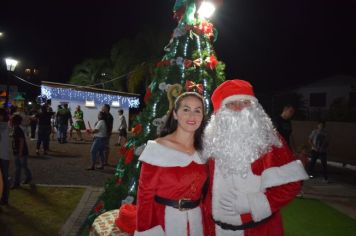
274,44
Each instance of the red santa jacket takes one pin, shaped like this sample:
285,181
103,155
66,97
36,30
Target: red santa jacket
272,182
173,175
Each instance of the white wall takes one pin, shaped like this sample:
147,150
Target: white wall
91,114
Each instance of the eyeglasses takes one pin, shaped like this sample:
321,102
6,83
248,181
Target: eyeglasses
238,105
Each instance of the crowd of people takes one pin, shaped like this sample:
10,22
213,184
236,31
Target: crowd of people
19,126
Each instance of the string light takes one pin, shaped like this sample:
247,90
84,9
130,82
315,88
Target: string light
186,46
99,98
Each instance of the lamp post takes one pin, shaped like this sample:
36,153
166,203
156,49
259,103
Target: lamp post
10,66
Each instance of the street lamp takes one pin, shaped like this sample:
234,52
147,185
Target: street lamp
10,66
1,34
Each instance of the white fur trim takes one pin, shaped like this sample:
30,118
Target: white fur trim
155,231
160,155
195,221
176,222
237,97
276,176
259,204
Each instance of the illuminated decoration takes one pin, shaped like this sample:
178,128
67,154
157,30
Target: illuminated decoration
90,103
69,94
206,9
11,64
115,104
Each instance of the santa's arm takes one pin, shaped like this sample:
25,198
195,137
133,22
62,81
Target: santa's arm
146,221
280,174
262,205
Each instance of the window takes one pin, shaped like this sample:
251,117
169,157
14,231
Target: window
90,103
317,100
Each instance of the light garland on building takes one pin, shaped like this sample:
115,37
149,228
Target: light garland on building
68,94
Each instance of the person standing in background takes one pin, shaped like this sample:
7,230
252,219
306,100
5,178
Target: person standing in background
33,122
79,124
100,133
109,123
319,143
283,123
44,130
63,117
4,156
122,128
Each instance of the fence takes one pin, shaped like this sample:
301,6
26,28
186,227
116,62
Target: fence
342,138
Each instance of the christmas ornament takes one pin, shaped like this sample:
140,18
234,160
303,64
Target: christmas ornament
191,86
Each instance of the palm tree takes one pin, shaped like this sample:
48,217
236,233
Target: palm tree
91,71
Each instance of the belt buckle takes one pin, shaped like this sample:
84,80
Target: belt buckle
180,204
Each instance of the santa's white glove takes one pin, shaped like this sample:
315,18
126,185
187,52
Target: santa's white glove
234,203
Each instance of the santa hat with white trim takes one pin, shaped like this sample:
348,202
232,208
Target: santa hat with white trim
232,90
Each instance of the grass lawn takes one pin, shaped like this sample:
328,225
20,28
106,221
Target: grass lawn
307,217
38,210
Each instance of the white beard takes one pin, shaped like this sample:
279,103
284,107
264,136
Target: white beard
236,139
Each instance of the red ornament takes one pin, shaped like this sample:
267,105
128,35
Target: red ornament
118,181
163,63
206,28
99,206
122,150
147,95
212,62
187,63
129,156
137,129
179,14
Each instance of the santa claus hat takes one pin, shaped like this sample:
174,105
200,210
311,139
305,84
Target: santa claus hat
232,90
126,218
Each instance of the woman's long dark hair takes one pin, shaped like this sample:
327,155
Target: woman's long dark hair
171,124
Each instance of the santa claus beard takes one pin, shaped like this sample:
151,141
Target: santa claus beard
235,139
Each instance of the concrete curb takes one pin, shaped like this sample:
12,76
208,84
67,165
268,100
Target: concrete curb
74,223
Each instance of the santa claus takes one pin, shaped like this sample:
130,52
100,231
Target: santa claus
253,174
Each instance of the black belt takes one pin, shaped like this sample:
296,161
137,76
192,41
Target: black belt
181,204
244,226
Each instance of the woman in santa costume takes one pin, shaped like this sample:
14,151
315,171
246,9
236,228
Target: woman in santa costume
253,174
173,174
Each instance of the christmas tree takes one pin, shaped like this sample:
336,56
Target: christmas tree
189,64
